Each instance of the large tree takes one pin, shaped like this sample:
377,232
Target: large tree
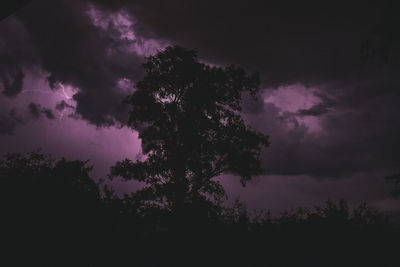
188,116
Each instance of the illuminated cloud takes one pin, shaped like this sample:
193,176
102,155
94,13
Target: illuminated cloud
330,115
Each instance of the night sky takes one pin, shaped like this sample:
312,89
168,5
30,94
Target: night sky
329,100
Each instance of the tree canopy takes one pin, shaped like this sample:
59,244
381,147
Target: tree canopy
54,215
188,116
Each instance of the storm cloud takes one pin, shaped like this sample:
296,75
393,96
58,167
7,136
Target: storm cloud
36,111
8,121
64,42
329,69
7,124
346,53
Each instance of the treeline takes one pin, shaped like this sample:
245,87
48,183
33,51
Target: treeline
54,214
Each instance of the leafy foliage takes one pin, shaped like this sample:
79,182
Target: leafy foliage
53,214
188,117
47,204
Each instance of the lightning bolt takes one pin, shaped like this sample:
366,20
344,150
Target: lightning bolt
60,90
64,94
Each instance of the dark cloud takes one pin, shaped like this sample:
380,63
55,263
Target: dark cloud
321,45
287,41
36,111
63,105
67,45
48,113
315,110
318,44
313,43
351,139
9,7
16,53
8,122
14,86
344,52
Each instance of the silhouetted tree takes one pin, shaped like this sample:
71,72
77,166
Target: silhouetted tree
188,118
53,214
48,206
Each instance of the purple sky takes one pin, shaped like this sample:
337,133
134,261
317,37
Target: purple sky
65,67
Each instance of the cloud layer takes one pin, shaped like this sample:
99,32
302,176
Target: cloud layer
329,70
62,39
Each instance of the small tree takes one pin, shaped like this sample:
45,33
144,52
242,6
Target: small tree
47,205
188,118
